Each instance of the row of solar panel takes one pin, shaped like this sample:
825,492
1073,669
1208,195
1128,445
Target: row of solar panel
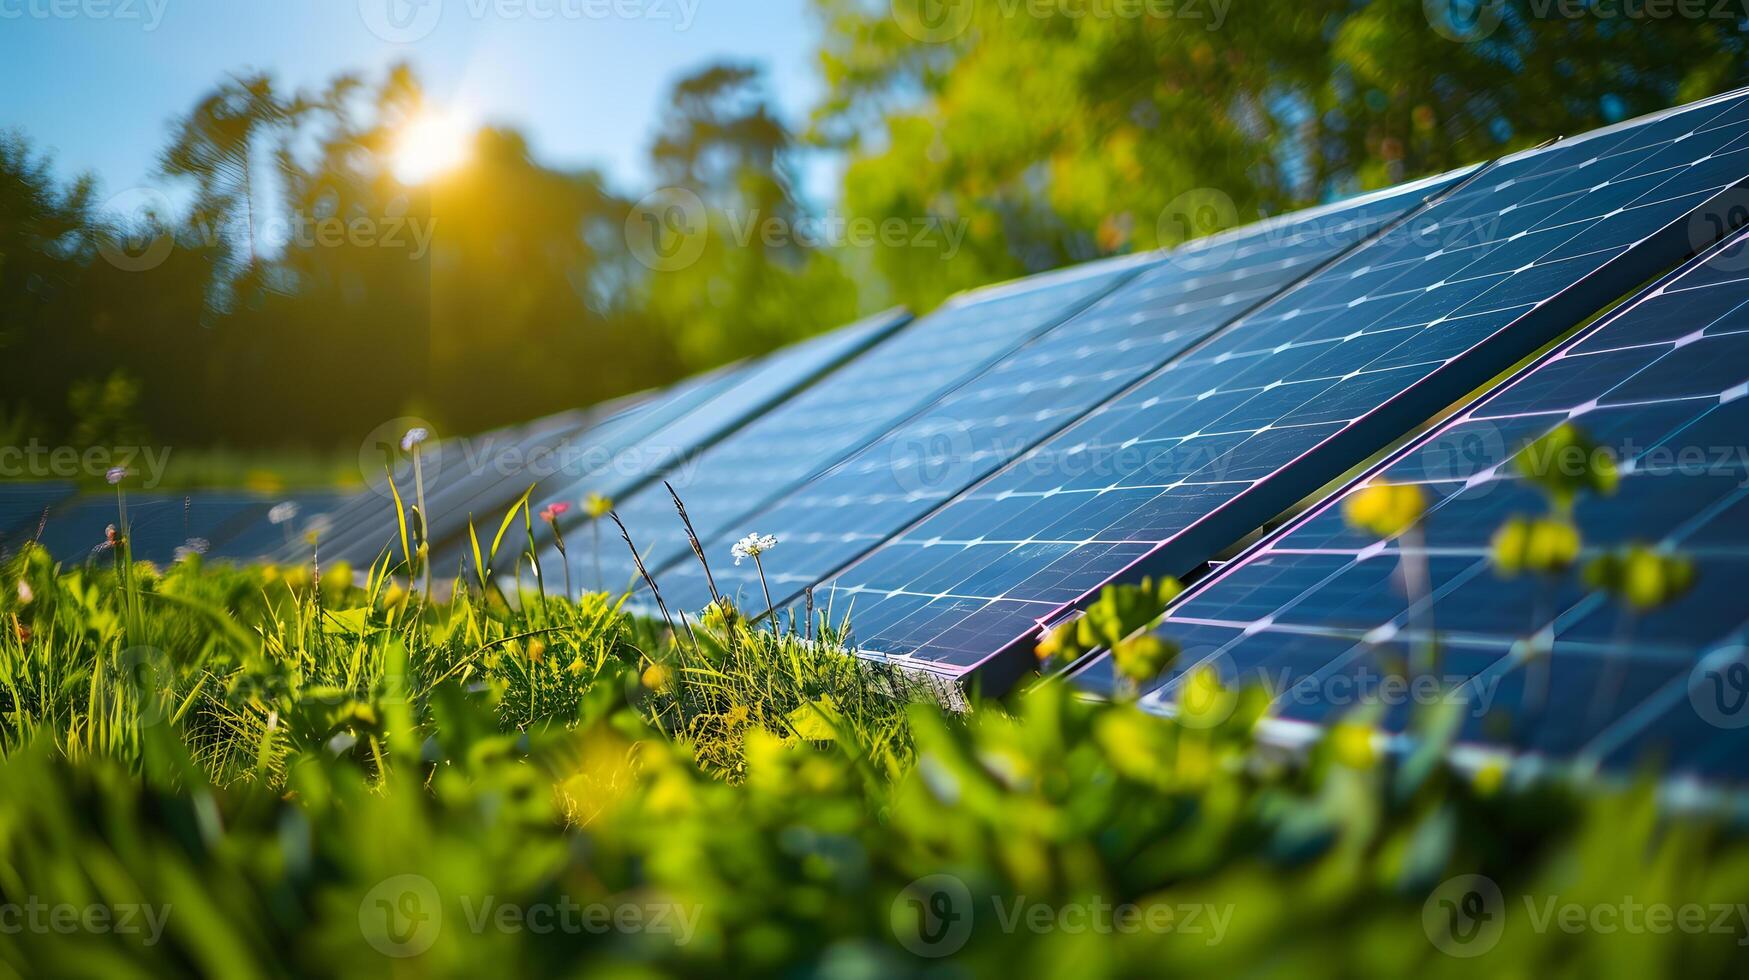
958,483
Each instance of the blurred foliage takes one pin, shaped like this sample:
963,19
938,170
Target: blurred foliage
290,278
351,782
1063,131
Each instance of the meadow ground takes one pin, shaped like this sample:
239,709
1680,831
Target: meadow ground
265,771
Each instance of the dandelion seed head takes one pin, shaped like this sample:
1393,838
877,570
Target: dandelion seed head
283,512
191,548
414,437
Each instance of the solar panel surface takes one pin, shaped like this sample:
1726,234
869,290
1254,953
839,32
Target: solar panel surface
1546,665
159,522
759,387
1035,391
841,414
22,506
487,472
1215,444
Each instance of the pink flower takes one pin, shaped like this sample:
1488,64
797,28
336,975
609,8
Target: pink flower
553,511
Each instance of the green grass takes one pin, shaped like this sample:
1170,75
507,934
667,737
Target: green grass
266,761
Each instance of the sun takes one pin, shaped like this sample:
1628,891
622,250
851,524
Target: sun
429,144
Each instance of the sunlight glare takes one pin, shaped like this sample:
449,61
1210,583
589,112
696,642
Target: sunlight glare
429,144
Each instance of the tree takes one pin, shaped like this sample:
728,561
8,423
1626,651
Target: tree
1087,131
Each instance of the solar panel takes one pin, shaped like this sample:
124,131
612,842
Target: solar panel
487,472
22,506
1210,447
259,538
1660,385
1035,391
159,522
758,388
841,414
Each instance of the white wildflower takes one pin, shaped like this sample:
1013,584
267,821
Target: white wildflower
753,545
414,437
25,595
283,512
192,548
117,474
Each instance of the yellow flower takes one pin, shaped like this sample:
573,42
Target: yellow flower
596,506
1353,746
1385,509
537,651
1142,658
658,678
1543,546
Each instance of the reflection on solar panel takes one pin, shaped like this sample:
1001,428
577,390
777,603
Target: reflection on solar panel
488,472
1547,666
160,523
22,506
1034,392
758,388
841,414
259,537
1217,443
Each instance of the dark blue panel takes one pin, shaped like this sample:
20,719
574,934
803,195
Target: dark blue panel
22,506
1034,392
783,449
1400,328
1660,384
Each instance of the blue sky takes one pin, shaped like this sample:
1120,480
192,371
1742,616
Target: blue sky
96,82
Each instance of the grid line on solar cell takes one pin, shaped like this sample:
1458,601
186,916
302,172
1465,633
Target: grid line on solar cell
1547,666
762,388
1038,389
841,414
22,506
1214,445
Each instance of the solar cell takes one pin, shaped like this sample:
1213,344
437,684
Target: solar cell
489,471
759,387
22,506
1214,444
841,414
1033,392
1544,664
159,522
